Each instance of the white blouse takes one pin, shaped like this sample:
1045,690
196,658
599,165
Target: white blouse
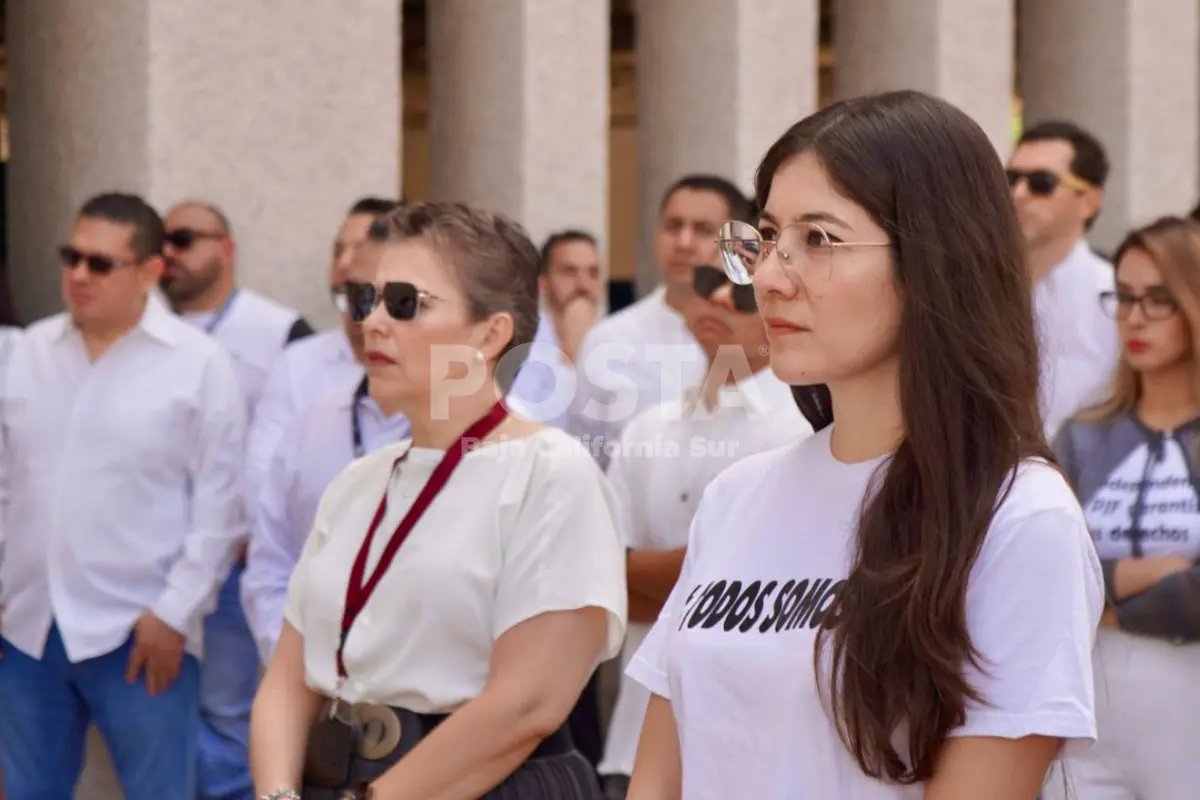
522,527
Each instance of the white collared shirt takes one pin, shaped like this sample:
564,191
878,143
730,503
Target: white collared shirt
254,330
546,383
123,481
521,528
667,456
635,359
317,445
305,370
1079,344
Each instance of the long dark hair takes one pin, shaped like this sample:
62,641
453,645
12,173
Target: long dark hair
898,637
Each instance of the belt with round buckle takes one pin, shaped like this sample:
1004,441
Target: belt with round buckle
379,729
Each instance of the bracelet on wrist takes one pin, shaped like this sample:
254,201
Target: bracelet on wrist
282,794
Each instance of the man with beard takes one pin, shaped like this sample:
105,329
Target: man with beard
570,289
199,281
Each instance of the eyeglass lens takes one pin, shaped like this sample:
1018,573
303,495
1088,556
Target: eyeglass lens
1041,182
96,264
799,246
400,300
1120,305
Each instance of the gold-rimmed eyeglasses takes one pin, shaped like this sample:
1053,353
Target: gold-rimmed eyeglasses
802,248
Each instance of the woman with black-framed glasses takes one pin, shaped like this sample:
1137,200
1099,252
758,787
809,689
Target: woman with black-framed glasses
1134,462
458,589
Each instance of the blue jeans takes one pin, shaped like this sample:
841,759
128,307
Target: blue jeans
45,708
228,681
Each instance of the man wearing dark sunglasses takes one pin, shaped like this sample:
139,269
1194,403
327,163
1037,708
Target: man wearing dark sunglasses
1057,173
199,278
124,432
312,365
669,454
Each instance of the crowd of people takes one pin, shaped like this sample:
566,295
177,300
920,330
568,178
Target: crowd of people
887,491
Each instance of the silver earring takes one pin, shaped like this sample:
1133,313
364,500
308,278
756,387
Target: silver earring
478,355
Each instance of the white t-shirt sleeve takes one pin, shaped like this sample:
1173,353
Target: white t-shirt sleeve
564,551
1033,608
649,664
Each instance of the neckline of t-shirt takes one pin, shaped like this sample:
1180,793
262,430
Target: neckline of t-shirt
838,469
433,454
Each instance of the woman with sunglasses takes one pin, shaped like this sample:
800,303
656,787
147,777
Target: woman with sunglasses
458,589
903,604
1134,462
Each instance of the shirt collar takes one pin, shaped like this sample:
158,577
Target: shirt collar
156,322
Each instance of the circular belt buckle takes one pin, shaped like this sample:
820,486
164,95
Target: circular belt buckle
379,730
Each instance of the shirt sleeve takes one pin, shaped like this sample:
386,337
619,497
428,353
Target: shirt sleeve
649,664
565,551
621,476
272,416
219,521
8,340
275,547
1033,607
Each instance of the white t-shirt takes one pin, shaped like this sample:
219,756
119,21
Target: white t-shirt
770,547
522,527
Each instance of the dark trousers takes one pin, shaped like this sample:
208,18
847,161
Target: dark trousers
584,724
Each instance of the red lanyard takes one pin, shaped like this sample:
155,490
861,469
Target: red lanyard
357,592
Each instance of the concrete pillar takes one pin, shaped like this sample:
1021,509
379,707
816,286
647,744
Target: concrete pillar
519,111
962,51
281,113
717,82
1127,71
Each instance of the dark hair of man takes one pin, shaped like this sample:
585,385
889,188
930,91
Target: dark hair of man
146,238
740,206
898,636
1089,161
375,206
561,237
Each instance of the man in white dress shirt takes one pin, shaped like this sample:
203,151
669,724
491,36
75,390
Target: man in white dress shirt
1057,173
644,354
200,281
313,365
570,288
121,479
670,453
340,425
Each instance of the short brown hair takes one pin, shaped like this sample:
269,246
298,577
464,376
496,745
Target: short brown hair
491,257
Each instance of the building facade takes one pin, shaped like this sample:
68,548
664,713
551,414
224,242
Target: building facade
559,112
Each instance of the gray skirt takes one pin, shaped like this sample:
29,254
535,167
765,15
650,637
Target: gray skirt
568,776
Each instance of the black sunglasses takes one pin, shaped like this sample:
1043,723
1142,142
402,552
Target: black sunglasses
184,238
400,299
1042,182
96,264
707,280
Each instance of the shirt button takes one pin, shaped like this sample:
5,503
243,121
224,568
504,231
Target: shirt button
365,620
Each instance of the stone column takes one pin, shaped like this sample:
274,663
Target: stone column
717,81
518,110
281,113
1127,71
962,51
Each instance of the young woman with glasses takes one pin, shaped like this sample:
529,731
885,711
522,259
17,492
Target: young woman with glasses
902,605
457,590
1134,462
